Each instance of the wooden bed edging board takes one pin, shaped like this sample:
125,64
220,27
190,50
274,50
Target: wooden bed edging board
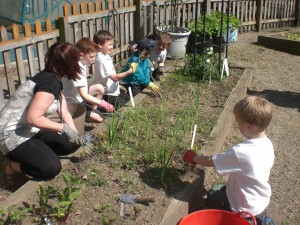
178,209
280,44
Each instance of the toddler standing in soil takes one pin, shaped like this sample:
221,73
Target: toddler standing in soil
247,164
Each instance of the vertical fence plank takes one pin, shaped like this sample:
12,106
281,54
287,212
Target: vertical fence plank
40,47
48,29
126,25
184,15
30,52
122,29
233,9
246,13
250,14
151,20
110,17
177,22
84,32
238,7
116,27
91,30
10,81
297,13
275,12
242,12
264,14
19,55
254,13
269,12
133,34
145,21
259,15
189,14
98,21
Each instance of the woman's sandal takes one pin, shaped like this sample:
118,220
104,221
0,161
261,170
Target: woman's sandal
15,178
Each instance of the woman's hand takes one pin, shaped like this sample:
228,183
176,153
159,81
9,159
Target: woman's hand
71,135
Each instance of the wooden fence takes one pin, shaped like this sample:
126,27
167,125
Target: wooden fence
128,21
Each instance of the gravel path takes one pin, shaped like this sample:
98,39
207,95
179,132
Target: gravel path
276,77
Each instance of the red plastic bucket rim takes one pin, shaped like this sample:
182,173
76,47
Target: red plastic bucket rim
240,214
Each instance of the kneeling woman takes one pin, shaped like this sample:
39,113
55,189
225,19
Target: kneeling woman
31,142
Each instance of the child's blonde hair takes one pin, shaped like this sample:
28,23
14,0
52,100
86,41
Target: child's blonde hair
164,37
255,110
102,36
86,46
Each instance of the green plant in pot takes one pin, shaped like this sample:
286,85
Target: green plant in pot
213,29
213,24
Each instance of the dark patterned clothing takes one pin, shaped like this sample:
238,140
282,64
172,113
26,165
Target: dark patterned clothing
14,129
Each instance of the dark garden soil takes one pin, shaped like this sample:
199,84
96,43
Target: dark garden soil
106,175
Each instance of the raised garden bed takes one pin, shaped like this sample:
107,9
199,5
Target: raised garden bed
282,41
107,174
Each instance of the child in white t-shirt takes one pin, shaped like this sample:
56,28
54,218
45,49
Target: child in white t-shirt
90,97
247,164
105,73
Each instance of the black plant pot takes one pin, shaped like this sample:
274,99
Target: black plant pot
200,44
203,43
216,44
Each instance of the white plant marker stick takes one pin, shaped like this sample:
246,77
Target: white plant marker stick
194,134
131,97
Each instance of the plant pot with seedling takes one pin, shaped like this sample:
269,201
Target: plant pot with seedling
213,30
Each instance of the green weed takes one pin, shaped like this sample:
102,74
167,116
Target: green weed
13,215
56,204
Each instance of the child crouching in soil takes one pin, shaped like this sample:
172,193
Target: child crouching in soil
140,79
247,164
90,97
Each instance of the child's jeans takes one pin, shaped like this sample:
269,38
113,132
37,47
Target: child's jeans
117,101
135,88
218,200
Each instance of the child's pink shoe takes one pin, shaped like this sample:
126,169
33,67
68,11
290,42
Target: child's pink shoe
108,107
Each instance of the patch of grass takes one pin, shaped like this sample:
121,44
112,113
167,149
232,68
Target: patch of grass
95,178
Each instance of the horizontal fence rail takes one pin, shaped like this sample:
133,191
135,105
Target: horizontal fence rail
23,47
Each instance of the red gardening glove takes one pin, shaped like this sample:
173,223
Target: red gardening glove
188,156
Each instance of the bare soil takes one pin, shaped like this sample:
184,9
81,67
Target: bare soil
276,76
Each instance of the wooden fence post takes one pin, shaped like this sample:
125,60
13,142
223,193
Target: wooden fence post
259,15
207,6
297,13
138,22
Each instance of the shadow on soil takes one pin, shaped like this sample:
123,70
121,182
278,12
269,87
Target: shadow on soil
191,192
285,99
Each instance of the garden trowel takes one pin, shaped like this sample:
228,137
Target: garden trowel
129,198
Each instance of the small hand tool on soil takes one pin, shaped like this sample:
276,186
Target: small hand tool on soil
131,199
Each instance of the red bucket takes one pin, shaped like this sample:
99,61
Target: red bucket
216,217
